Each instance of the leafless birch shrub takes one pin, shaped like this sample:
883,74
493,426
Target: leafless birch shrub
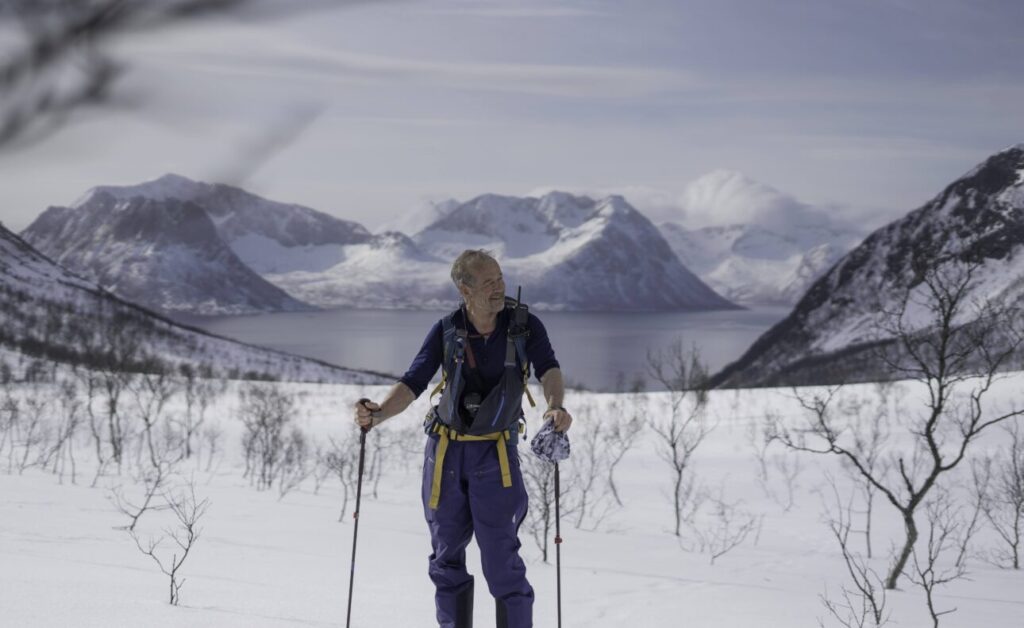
954,364
1001,496
153,481
121,348
539,479
342,458
90,383
33,432
407,446
391,448
184,534
265,412
376,446
321,466
625,425
211,436
870,421
783,464
686,426
862,601
71,416
723,527
944,530
295,465
10,414
150,394
597,450
199,394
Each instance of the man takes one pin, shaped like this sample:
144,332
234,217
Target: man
472,483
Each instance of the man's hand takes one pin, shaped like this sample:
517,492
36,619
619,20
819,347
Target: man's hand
561,418
367,414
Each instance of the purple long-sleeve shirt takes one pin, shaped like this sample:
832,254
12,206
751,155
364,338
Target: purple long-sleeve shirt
489,354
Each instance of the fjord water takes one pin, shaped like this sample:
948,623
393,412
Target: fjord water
599,351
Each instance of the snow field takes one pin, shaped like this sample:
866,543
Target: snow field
265,561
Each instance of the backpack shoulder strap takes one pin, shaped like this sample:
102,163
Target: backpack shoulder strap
518,332
454,351
451,350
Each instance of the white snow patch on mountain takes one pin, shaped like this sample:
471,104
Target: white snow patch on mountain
752,265
574,252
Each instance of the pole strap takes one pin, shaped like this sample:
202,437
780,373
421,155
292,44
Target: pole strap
447,435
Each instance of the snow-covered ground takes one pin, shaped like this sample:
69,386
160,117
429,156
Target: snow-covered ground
265,561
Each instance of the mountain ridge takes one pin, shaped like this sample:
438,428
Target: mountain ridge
978,218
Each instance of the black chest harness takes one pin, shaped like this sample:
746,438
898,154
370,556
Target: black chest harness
497,413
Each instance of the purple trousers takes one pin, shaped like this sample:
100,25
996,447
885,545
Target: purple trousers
473,501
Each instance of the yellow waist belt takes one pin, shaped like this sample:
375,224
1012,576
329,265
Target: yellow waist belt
501,439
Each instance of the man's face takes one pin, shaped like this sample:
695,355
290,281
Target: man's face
487,294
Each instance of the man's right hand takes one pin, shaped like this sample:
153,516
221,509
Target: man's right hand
367,414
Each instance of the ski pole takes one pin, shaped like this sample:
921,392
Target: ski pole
355,515
558,544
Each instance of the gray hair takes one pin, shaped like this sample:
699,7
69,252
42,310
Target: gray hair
466,262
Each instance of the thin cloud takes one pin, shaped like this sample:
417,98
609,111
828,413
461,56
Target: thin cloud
289,60
719,198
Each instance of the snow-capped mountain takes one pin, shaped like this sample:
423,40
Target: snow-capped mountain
569,252
978,218
161,251
574,252
268,236
53,315
388,272
184,246
752,265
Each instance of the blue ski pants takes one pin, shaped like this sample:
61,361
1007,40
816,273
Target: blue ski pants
473,501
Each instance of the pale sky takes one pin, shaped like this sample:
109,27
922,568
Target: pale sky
860,110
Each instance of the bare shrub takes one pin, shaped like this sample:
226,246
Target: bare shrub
266,412
944,527
10,415
199,393
321,467
188,511
62,452
597,450
91,383
862,602
153,481
211,436
954,363
784,465
1001,496
621,433
539,479
723,528
150,393
342,459
32,433
295,466
121,348
680,433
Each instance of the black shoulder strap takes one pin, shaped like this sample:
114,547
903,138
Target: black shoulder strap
518,332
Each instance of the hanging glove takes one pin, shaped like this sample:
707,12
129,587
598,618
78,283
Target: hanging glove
550,445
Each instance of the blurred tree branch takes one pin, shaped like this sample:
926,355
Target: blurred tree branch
54,55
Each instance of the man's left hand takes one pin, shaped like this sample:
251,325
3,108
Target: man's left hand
561,418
